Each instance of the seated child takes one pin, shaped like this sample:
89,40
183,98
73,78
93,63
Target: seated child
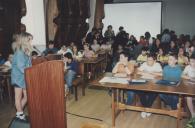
50,49
34,55
143,56
87,52
171,72
8,63
162,57
95,46
182,59
149,69
123,68
64,50
71,70
189,73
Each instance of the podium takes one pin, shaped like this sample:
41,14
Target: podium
45,92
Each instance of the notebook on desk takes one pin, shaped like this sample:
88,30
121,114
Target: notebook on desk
114,80
168,83
137,81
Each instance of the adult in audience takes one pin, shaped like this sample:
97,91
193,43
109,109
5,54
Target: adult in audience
21,60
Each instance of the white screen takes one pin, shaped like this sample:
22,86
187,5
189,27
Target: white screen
35,22
136,18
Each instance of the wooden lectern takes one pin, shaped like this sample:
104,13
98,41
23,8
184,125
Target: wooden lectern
45,91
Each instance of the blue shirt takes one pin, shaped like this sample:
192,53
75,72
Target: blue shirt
20,62
72,66
53,50
172,73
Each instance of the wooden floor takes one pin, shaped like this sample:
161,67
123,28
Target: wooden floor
97,104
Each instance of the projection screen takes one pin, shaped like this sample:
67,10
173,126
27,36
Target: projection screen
136,18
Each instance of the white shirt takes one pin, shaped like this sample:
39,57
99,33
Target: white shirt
62,52
156,67
189,71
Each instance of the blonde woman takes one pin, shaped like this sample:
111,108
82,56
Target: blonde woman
22,49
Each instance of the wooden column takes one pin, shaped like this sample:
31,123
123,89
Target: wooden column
99,14
71,21
51,13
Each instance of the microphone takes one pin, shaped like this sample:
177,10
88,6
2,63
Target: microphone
36,49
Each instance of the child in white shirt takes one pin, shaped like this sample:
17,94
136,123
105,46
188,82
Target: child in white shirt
189,73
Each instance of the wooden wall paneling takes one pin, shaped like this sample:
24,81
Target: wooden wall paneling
71,21
99,14
10,17
45,91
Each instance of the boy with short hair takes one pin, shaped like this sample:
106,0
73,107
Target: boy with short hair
149,69
71,70
171,72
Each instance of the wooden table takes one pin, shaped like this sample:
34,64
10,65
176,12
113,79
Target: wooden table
182,90
94,65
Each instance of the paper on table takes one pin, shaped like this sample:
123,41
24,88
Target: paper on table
114,80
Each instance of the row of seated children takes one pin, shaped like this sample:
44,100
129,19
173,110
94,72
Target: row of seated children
88,51
162,57
171,72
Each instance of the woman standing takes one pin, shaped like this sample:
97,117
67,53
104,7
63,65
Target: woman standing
21,60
